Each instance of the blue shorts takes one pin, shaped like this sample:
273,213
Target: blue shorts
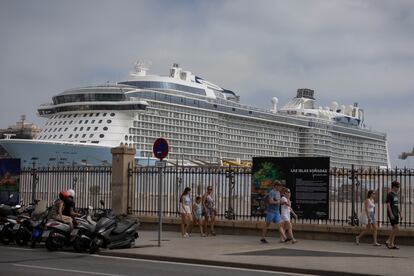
273,217
371,217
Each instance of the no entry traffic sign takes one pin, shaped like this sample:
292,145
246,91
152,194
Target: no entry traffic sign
160,148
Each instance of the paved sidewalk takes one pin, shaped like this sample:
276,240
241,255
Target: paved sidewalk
306,256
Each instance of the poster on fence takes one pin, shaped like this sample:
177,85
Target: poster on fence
306,177
9,181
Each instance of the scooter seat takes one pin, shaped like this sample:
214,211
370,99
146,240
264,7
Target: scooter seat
124,225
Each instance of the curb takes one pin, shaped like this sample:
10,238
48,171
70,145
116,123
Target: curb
230,264
326,232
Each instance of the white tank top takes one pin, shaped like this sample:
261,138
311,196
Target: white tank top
371,206
285,209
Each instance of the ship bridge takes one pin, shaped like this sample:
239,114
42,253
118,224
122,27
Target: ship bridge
101,97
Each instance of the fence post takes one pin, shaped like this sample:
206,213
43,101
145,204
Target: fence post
34,181
229,214
353,214
122,157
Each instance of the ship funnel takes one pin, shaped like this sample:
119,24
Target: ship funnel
275,101
348,110
140,68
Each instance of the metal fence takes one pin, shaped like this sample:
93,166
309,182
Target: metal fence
231,190
91,184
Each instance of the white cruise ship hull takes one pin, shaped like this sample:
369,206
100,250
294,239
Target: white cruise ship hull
56,153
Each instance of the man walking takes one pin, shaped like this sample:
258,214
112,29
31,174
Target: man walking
394,214
273,211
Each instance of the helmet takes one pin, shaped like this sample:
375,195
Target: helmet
71,192
63,194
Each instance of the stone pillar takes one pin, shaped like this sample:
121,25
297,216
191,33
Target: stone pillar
121,157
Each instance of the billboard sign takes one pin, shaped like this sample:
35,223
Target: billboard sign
306,177
9,180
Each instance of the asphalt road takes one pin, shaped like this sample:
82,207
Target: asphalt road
26,261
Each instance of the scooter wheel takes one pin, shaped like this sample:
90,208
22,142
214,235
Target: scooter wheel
94,246
77,245
21,237
5,237
50,244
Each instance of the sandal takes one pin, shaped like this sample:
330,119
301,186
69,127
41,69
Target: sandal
393,247
377,244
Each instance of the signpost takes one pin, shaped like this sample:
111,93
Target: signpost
160,150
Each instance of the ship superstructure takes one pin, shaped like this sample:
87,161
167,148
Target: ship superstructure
205,123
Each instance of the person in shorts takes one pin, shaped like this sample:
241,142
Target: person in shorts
198,214
273,211
209,211
394,214
185,212
285,211
369,208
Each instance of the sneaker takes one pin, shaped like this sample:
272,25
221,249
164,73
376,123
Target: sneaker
288,240
294,241
186,235
203,235
377,244
357,240
264,241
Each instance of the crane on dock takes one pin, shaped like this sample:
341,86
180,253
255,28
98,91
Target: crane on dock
404,155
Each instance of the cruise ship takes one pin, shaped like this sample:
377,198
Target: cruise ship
203,123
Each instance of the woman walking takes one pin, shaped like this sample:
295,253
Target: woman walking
369,207
286,210
209,211
185,211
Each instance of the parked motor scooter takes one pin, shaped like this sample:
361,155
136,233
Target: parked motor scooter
29,220
8,221
38,223
112,233
21,236
56,235
83,231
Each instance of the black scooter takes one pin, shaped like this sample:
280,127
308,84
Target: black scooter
8,221
110,232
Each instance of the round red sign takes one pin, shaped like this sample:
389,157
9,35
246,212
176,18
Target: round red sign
160,148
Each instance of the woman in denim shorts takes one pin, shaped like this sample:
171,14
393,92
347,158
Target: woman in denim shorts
369,207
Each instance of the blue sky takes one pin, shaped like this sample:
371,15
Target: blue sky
347,51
